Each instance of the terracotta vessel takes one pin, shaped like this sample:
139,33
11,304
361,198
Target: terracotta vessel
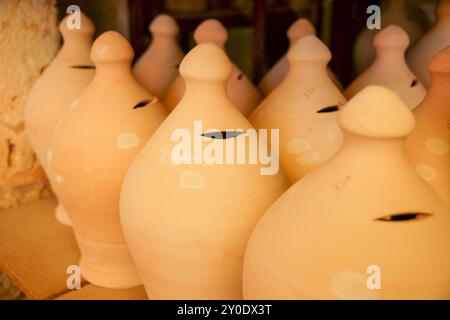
427,146
158,66
301,27
241,91
187,225
377,232
304,107
61,82
98,137
392,12
436,39
390,69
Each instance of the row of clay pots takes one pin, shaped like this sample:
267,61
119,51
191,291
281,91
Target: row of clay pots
183,230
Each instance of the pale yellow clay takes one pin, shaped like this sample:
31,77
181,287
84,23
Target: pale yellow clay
390,69
241,91
363,226
436,39
304,108
397,12
301,27
94,144
158,66
62,81
187,225
427,147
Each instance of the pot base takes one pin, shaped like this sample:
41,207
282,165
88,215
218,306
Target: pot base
107,265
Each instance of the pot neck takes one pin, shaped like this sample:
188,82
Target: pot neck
78,46
162,40
204,94
384,152
307,69
390,55
113,71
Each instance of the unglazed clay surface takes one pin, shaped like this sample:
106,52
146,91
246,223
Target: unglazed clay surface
390,69
436,39
241,91
187,224
100,133
427,146
304,108
392,12
158,66
62,81
376,218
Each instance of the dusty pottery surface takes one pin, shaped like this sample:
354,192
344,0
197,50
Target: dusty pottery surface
304,108
436,39
392,12
301,27
158,66
427,146
376,218
187,224
390,69
62,81
241,91
100,134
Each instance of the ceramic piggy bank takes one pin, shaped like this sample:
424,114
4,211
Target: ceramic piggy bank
241,91
304,108
158,66
62,81
427,146
194,193
363,226
94,144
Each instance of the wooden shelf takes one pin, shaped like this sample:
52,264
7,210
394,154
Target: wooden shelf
35,251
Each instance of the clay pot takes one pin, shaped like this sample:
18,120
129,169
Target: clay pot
187,222
304,107
61,82
241,91
300,28
158,66
363,226
427,146
436,39
392,12
98,137
390,69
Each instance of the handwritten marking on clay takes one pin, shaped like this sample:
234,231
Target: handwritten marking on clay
59,179
350,285
308,158
341,184
127,140
308,93
298,145
437,146
192,180
74,104
426,172
49,155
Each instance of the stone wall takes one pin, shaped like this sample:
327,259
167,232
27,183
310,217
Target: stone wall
29,39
